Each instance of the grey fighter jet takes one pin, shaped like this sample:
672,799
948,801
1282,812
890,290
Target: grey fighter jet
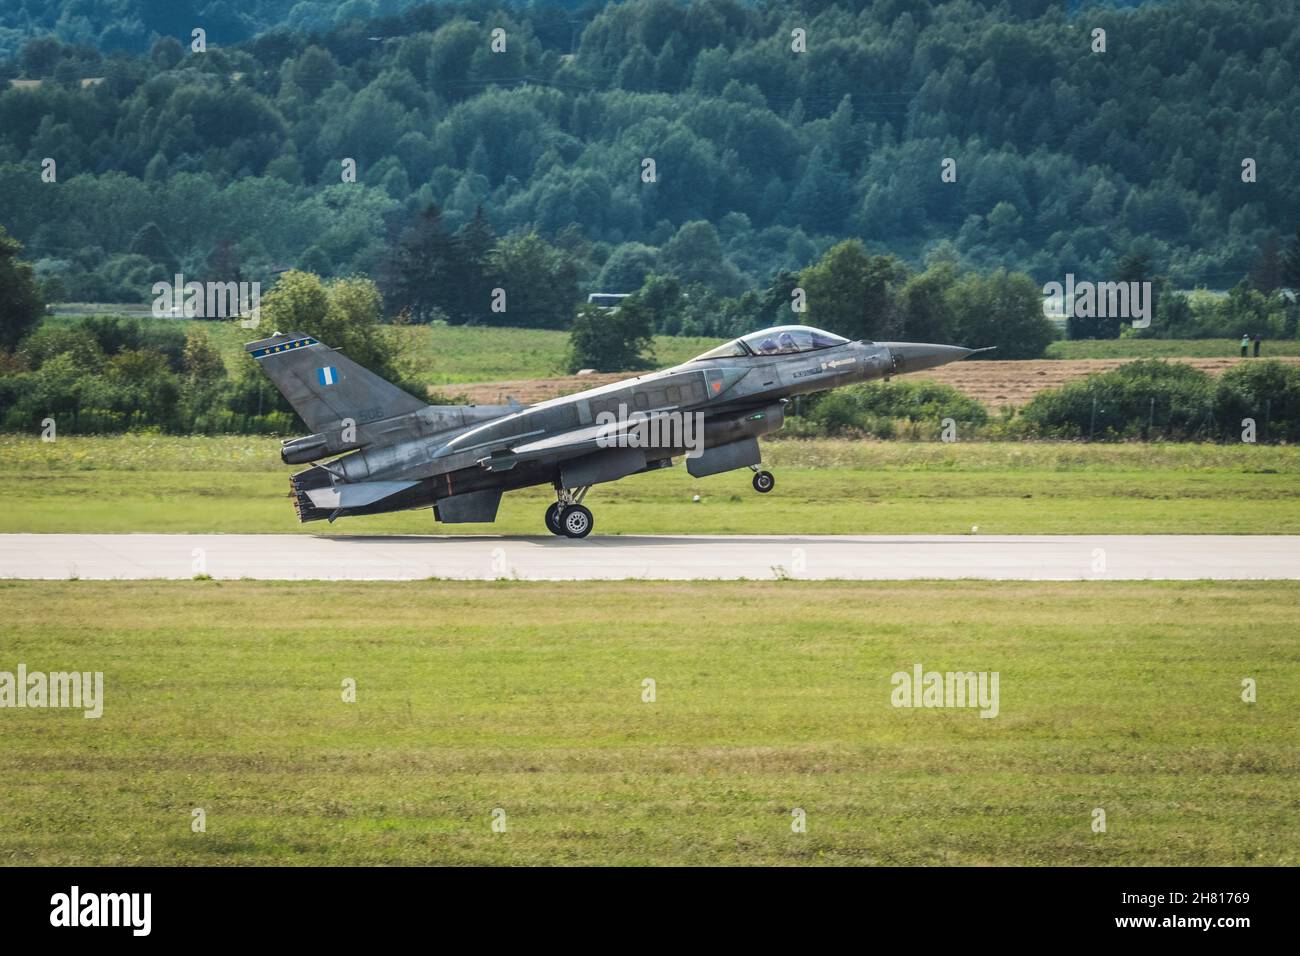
398,453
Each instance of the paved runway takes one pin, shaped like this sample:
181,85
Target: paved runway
883,557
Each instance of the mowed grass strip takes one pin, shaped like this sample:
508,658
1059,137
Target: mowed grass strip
151,483
1166,348
441,355
527,698
446,355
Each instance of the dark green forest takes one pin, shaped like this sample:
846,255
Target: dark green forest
135,24
1066,159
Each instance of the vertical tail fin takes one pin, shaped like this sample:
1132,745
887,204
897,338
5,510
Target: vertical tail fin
324,386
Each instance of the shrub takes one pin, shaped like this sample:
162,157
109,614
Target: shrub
874,408
1175,398
1268,392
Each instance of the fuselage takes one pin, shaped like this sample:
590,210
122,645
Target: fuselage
713,386
736,392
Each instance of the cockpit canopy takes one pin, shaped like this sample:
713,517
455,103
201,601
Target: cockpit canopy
782,340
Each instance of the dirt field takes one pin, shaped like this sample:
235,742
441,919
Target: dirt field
995,384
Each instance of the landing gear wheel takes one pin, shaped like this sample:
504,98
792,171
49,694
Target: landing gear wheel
553,519
763,482
576,521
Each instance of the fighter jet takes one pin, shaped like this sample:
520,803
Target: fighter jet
399,453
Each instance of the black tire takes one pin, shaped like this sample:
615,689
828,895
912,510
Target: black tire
576,522
553,519
763,482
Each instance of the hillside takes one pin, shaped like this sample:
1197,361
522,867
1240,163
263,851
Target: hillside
1063,158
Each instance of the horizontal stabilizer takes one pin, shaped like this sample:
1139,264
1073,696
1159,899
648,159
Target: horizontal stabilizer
355,495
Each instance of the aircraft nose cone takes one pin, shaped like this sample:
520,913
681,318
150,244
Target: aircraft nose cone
914,356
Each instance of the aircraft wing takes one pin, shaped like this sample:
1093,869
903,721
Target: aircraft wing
571,444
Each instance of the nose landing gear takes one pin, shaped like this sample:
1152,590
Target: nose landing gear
567,516
763,480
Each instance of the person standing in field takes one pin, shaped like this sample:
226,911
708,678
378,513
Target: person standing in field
1257,341
1245,344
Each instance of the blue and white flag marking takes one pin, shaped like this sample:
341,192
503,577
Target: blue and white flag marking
327,375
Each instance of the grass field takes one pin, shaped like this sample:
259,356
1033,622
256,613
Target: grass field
452,354
1165,348
528,699
236,484
448,355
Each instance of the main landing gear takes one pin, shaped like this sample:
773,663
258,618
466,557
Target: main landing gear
567,516
763,480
